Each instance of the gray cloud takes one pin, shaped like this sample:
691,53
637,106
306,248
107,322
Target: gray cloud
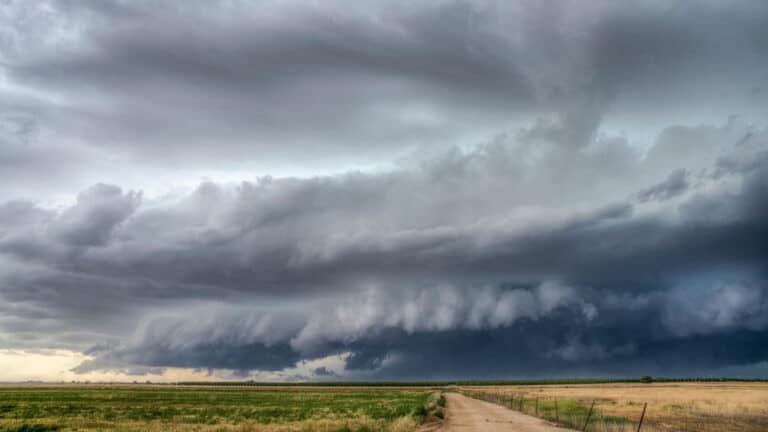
564,187
324,371
674,185
278,234
258,86
724,305
97,212
353,271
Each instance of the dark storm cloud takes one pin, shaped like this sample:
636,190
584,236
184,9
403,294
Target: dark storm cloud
211,355
565,342
292,235
559,246
519,353
330,265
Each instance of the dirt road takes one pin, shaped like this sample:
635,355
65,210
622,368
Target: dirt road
471,415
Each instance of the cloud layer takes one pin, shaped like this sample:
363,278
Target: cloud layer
334,264
476,189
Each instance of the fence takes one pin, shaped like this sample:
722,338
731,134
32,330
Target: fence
576,414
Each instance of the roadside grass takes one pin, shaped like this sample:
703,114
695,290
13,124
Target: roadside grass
433,408
168,408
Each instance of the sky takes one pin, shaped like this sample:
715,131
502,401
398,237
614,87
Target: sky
382,190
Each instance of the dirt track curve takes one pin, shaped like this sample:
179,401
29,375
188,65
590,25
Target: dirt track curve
471,415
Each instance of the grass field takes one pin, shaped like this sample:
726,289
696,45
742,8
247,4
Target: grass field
167,408
706,407
701,407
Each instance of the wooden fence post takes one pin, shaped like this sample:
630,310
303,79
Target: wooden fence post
537,407
557,417
589,414
642,416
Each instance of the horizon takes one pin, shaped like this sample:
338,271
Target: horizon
406,383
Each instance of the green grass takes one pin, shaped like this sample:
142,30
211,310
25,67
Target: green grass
29,409
441,401
574,413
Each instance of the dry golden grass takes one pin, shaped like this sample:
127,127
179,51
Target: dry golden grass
706,407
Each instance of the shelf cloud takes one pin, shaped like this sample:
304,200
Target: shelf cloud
442,190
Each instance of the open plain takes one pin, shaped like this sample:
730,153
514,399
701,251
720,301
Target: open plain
672,406
171,408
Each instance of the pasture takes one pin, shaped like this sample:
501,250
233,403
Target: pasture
616,406
672,406
169,408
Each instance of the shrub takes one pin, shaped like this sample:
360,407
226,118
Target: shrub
439,414
441,401
646,379
34,428
420,414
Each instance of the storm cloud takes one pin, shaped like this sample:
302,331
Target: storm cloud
441,190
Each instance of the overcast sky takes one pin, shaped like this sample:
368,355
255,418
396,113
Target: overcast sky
296,190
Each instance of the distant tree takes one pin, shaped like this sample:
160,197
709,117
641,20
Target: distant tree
646,379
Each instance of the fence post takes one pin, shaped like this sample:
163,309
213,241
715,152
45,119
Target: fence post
521,404
589,414
642,416
537,407
557,417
